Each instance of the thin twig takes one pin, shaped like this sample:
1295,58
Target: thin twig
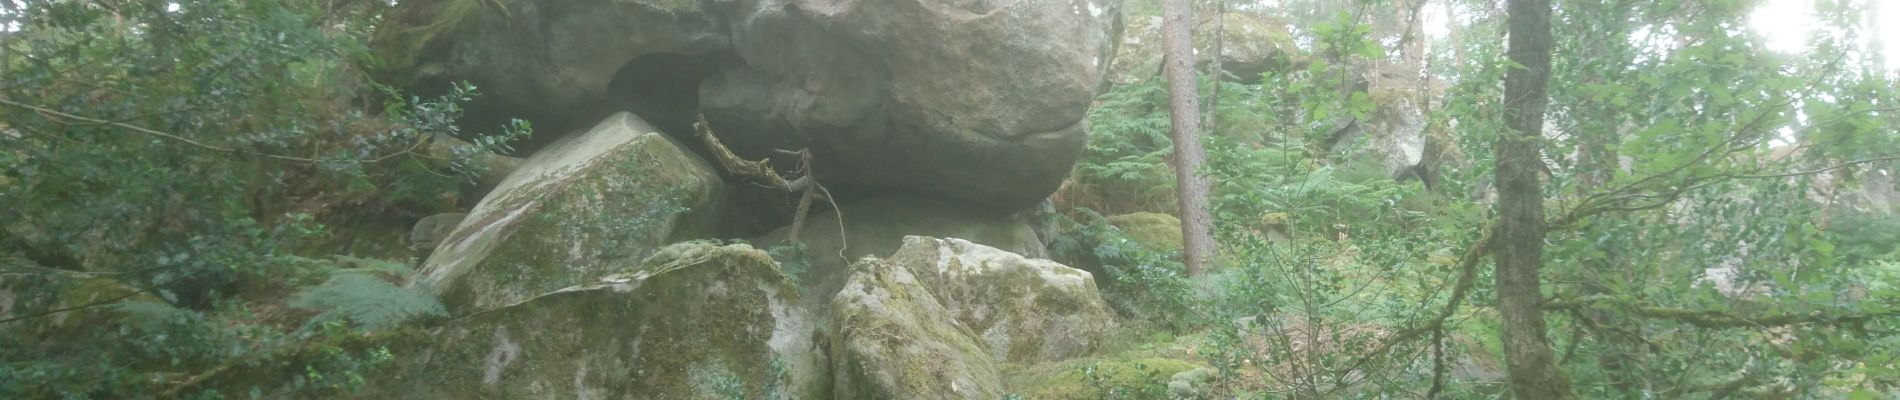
1817,171
114,300
47,112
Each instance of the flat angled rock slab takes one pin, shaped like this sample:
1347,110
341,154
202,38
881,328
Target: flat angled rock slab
697,321
1023,310
590,205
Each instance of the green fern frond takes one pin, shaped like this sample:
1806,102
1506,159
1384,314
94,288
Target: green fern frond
152,316
371,303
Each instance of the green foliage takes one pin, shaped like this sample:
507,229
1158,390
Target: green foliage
1693,168
369,302
792,259
168,170
1129,146
1139,382
1137,282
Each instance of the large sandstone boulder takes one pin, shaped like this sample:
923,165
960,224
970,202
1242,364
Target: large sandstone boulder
978,101
1023,310
876,227
895,341
694,321
553,62
590,204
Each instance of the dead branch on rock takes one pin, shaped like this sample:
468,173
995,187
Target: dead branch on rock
761,173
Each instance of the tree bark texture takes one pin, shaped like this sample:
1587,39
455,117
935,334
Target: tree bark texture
1183,104
1533,372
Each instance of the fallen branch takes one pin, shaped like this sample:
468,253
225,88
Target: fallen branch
106,302
757,171
1712,319
761,172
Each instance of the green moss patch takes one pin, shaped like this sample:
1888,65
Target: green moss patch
1156,232
1094,378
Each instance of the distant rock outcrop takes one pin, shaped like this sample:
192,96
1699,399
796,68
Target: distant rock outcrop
1253,45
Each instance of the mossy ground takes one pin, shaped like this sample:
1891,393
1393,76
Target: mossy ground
1156,232
1093,378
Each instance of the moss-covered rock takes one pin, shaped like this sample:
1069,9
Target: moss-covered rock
694,321
1154,231
876,227
895,341
1022,310
577,210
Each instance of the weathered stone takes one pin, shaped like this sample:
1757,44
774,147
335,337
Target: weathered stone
977,101
694,321
895,341
1023,310
876,228
553,62
430,230
863,83
1391,137
592,203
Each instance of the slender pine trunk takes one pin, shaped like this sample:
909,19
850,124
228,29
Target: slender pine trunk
1183,105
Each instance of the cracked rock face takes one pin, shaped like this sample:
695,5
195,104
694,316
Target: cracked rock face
695,321
981,101
1024,310
578,209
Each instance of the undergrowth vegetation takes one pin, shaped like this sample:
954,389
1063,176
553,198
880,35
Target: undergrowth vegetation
1693,252
171,171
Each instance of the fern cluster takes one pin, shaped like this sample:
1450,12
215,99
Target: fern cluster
365,300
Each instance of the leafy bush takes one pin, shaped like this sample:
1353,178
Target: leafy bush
168,170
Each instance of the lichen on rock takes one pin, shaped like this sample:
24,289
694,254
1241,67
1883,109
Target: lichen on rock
587,206
895,341
1023,310
696,320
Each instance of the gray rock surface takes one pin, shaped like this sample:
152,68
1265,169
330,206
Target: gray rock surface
982,102
694,321
588,205
876,227
895,341
1023,310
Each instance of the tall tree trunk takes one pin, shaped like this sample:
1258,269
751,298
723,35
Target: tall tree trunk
1184,107
1527,355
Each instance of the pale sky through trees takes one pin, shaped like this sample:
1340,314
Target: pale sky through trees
1786,24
